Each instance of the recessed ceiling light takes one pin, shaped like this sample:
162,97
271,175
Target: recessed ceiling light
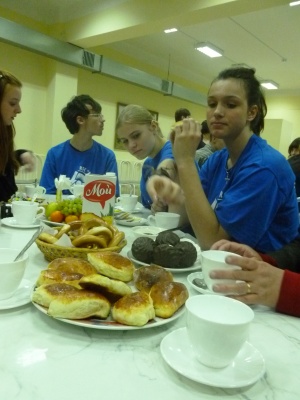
209,49
295,3
269,85
171,30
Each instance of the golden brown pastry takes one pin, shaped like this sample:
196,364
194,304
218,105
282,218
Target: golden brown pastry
135,309
80,304
112,265
168,297
145,277
72,265
48,276
44,294
111,288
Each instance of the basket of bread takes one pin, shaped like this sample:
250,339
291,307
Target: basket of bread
107,290
87,235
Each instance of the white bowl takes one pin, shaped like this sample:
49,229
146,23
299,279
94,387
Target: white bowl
146,231
11,272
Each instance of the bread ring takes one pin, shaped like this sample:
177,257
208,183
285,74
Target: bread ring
100,230
90,223
117,239
89,240
46,237
64,229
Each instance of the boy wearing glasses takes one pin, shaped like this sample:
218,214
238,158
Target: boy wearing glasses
81,155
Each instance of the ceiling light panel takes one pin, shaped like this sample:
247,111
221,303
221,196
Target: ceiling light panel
209,49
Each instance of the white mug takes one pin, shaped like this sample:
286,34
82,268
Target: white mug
127,201
26,212
215,259
31,190
217,327
11,272
77,190
164,220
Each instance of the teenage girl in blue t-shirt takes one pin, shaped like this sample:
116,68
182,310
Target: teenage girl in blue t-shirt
246,191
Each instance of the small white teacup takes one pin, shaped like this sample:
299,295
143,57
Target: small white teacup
77,190
26,212
215,259
127,201
11,272
164,220
217,328
31,190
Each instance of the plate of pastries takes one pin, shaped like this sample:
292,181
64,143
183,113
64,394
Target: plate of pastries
168,250
106,291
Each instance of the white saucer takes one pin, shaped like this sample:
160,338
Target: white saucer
19,298
198,275
10,221
246,369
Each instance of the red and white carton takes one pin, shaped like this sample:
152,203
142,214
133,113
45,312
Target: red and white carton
99,196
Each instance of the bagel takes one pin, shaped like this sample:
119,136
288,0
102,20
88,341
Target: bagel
64,229
117,239
100,230
46,237
90,241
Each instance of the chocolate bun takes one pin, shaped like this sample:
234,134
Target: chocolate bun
142,249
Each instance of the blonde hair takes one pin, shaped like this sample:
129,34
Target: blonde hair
135,114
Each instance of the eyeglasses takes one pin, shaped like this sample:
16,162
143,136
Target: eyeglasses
97,115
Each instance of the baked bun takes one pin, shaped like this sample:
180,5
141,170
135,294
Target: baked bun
72,265
135,309
44,294
142,249
48,276
80,304
112,265
145,277
168,297
110,288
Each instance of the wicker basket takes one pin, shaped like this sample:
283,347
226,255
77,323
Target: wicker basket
52,251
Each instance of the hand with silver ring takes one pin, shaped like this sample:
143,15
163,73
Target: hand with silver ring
248,288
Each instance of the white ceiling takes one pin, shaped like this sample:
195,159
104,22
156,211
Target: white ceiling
262,34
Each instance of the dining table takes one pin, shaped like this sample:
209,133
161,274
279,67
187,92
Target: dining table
43,358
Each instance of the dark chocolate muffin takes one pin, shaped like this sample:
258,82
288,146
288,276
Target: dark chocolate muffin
142,249
188,254
167,237
183,255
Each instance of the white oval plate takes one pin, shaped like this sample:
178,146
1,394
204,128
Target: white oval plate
109,324
247,367
132,221
10,221
195,267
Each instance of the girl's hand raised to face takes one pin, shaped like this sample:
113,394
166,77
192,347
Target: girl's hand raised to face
185,138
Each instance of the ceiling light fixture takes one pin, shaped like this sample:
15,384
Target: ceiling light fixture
295,3
269,85
209,49
171,30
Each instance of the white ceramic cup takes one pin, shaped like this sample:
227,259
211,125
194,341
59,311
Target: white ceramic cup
11,272
77,190
31,190
215,259
26,212
217,328
164,220
127,201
